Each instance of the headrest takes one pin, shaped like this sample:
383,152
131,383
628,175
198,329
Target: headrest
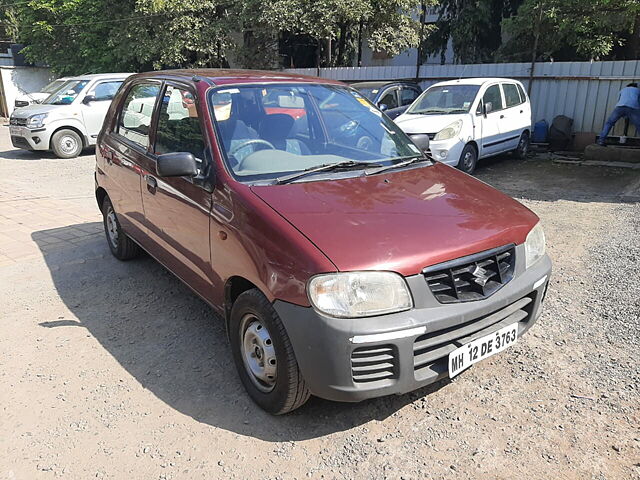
276,125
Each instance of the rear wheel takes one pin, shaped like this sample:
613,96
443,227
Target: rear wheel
523,146
121,246
66,144
468,159
264,356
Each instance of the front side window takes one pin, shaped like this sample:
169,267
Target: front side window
511,94
106,90
268,130
137,110
389,99
494,97
444,99
67,93
178,124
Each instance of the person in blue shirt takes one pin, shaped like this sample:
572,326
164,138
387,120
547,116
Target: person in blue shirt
628,106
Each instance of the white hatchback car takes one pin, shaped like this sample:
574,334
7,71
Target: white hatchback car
69,119
470,119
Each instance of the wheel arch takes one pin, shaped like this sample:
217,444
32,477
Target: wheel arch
233,288
101,194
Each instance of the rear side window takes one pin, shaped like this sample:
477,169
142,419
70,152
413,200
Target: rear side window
511,94
523,96
408,95
106,90
492,95
178,124
137,110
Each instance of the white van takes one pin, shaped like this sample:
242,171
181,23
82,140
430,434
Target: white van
69,119
470,119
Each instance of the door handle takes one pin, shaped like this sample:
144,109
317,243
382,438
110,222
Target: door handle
152,184
521,111
501,116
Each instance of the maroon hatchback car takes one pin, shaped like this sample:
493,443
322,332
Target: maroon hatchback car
346,263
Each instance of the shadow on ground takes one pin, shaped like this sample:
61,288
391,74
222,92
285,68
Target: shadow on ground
33,155
170,341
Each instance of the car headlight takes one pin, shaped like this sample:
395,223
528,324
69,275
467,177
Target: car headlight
449,131
359,294
36,121
534,245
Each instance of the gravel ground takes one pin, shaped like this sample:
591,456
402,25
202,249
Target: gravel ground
116,370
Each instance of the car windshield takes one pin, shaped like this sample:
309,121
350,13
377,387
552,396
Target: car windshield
67,92
52,87
270,130
443,99
369,92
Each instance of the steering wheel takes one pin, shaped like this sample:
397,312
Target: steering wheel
233,151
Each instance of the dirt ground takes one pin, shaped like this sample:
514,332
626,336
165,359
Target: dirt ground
116,370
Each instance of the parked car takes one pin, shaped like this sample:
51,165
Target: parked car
37,97
339,272
69,119
393,98
470,119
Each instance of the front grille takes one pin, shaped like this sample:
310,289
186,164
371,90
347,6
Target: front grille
371,364
18,121
473,277
20,142
431,350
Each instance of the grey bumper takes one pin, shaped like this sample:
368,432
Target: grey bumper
354,359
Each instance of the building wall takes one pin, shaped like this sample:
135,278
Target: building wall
17,81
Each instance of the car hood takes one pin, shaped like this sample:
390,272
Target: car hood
410,123
400,221
34,109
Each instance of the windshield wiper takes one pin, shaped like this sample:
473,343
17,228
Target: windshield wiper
408,161
325,168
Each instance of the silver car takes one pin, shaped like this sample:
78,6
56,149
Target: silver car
69,119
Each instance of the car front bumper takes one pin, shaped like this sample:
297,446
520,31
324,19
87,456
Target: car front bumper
409,348
452,150
29,139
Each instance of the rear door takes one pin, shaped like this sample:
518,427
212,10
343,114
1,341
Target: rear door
124,149
517,116
177,208
491,140
94,112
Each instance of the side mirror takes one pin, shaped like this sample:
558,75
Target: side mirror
179,164
383,107
88,99
487,108
422,141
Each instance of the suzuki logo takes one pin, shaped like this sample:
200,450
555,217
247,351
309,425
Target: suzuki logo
481,276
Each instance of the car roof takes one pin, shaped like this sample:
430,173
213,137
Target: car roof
381,83
97,76
219,76
475,81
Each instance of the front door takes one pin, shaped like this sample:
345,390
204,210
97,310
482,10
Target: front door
177,208
93,112
490,123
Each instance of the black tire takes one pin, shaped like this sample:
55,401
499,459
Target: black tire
121,246
288,389
523,146
66,143
468,159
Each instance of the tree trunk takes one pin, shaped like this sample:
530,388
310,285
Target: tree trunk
360,26
342,44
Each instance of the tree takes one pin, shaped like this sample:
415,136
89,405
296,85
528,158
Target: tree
573,30
473,26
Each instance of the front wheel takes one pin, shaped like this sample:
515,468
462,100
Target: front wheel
468,159
523,146
264,356
66,144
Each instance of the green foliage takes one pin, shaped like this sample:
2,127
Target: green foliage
571,29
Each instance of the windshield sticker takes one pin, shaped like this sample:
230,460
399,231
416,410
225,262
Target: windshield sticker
362,101
466,104
375,91
229,90
414,148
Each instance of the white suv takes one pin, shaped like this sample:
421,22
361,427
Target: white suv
69,119
470,119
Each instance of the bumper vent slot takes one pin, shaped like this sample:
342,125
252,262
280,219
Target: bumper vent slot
473,277
431,350
371,364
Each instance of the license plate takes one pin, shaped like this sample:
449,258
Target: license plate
481,348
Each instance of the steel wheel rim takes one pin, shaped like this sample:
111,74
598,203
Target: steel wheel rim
68,144
112,228
258,353
467,161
